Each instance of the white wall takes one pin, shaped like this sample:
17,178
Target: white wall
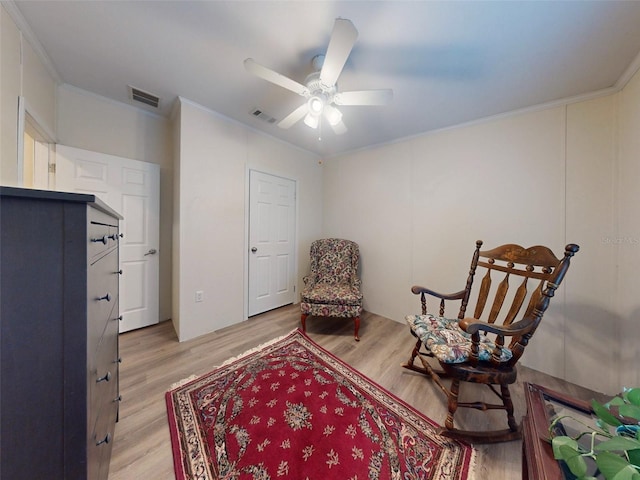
412,204
542,177
215,155
627,299
591,336
91,122
9,93
39,89
176,271
22,73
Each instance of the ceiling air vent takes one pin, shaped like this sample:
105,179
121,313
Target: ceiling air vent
256,112
144,97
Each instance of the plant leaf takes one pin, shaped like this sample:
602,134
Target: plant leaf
633,396
604,414
632,411
617,443
574,460
615,401
561,441
634,457
614,467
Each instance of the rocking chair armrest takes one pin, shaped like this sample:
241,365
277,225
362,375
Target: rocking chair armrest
473,325
416,289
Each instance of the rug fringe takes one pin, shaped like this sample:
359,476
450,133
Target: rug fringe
190,378
182,382
473,465
255,349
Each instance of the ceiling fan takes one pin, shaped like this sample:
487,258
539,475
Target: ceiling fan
320,88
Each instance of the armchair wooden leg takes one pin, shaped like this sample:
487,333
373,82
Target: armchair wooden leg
303,321
357,322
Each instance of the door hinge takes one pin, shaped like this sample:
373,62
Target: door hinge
52,168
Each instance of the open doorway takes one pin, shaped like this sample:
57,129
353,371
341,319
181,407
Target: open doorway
37,156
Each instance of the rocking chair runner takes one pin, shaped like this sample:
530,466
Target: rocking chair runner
472,350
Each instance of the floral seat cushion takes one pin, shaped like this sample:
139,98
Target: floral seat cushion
448,342
333,293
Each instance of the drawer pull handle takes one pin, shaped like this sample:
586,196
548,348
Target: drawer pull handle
119,272
118,318
104,240
118,398
106,378
107,297
119,360
114,236
106,439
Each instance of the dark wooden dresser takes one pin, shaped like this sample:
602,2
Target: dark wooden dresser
59,313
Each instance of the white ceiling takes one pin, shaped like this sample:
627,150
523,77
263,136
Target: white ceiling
448,62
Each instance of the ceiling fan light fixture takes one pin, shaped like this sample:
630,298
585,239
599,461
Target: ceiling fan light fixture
320,88
316,105
311,120
334,116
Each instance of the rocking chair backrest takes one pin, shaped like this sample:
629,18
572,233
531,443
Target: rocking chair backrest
523,279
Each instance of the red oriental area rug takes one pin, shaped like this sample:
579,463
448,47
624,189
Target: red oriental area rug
292,410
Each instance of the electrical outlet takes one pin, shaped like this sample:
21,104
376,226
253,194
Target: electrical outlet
199,296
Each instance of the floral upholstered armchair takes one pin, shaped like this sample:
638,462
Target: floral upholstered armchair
332,289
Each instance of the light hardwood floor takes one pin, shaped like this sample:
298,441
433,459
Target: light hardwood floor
153,360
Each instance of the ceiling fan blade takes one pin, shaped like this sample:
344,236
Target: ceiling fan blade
343,37
294,116
364,97
339,128
274,77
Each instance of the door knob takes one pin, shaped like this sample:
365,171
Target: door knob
254,249
153,251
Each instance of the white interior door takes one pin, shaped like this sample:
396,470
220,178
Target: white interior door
132,188
271,241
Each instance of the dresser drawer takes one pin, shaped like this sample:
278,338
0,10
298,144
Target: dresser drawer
102,297
103,233
103,377
100,442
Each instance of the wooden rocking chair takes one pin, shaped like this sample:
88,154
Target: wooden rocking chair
472,350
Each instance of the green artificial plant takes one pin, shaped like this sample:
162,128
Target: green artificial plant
614,442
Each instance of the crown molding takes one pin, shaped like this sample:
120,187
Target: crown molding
628,74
